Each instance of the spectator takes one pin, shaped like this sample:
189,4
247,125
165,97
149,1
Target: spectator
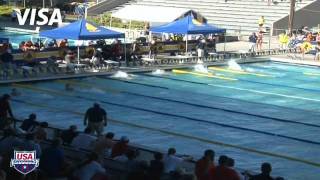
156,167
140,173
9,141
120,147
30,124
205,166
261,22
231,165
64,43
31,145
53,160
68,135
3,175
69,57
223,172
259,40
318,37
84,140
13,16
6,58
41,133
252,42
265,173
317,57
171,161
96,117
129,159
283,40
104,145
5,110
89,168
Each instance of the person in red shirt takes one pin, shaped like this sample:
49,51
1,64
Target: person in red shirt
121,147
205,166
223,172
5,110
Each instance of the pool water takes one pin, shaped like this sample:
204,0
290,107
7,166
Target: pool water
270,114
15,38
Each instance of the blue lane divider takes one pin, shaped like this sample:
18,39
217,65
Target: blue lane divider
280,71
172,115
130,82
279,85
222,109
176,134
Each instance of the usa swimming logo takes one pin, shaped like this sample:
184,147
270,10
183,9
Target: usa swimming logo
24,161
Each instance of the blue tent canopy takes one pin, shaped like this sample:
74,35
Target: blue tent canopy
187,25
81,30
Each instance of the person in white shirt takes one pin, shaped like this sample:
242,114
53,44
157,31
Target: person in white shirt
171,161
90,168
84,140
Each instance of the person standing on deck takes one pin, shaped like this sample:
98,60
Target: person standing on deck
5,110
96,118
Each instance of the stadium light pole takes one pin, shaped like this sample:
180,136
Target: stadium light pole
291,16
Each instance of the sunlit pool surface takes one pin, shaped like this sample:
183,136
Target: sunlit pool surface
15,38
272,108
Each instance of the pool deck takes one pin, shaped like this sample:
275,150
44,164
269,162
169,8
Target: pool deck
308,60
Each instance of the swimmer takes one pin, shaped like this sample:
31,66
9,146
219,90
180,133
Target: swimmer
68,87
15,92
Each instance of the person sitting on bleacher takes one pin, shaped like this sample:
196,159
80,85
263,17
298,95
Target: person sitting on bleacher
171,161
103,145
5,111
8,141
68,135
317,57
53,160
223,172
30,124
205,166
156,167
84,140
120,147
31,145
40,132
265,173
231,165
6,59
90,168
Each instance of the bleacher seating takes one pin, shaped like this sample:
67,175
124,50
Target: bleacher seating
238,16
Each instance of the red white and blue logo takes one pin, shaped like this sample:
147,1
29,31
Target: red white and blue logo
24,161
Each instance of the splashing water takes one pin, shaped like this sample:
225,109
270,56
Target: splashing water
232,64
200,68
158,72
121,74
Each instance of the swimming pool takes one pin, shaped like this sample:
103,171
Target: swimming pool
15,38
268,114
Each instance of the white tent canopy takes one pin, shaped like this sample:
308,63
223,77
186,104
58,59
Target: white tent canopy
150,13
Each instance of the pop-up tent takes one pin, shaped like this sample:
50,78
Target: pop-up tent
81,30
187,25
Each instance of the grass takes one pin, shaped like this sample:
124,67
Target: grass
5,10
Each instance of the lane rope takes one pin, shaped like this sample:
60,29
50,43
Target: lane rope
192,104
169,114
239,72
260,152
236,88
210,75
